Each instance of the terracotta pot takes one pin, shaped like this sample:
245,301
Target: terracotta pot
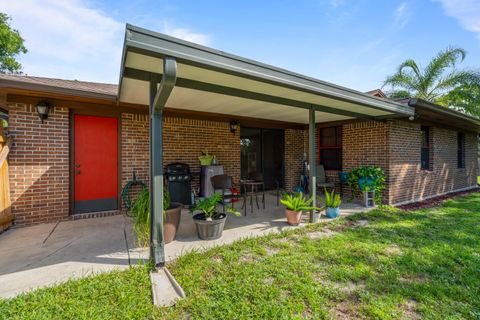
172,221
293,217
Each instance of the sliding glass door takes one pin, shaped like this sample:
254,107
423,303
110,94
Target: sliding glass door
262,155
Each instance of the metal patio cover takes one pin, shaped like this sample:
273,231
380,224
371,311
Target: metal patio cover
213,81
165,72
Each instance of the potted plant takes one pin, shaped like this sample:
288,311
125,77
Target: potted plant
205,159
208,221
343,177
141,216
295,204
172,215
367,179
332,204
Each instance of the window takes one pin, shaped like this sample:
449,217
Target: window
426,148
330,148
460,150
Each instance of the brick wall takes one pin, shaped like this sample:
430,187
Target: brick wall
135,149
408,182
395,147
296,144
39,162
366,144
184,140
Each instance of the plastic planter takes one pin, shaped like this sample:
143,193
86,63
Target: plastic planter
332,212
343,176
172,221
209,230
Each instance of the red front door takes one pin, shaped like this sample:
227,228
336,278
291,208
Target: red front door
95,163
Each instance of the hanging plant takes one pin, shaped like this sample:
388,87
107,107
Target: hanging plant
367,178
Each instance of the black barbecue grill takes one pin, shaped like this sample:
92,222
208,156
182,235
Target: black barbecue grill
179,179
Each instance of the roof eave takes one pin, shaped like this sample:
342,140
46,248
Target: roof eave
415,102
21,85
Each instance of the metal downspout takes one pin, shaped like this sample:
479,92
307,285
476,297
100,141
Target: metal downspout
158,99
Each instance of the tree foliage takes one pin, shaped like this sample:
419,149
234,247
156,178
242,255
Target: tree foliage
465,98
11,45
439,82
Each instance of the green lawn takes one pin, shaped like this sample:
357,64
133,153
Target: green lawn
383,264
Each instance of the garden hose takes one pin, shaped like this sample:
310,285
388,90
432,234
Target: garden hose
126,197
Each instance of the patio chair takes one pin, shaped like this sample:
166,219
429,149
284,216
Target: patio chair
322,178
223,182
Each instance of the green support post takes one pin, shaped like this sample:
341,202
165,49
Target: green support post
158,97
312,152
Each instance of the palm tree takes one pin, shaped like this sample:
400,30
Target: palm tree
437,80
464,98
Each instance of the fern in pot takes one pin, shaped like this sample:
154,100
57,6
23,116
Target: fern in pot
295,204
332,204
208,221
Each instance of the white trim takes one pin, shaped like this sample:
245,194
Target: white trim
434,196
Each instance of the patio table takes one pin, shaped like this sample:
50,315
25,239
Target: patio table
253,184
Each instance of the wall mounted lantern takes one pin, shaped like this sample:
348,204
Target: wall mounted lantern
233,126
43,109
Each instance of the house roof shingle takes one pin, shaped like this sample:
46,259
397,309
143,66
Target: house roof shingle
377,93
106,89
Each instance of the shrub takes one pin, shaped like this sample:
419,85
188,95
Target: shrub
298,202
375,177
332,199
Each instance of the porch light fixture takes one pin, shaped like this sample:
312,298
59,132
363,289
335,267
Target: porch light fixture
43,109
233,126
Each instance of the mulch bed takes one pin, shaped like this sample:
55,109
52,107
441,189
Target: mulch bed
437,201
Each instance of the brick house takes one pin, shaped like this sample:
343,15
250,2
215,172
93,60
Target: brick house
424,149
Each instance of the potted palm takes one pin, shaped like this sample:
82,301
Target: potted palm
141,214
332,204
295,204
208,221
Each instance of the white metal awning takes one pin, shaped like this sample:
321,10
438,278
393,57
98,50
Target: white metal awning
216,82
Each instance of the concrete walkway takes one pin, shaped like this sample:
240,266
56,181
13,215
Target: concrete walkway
47,254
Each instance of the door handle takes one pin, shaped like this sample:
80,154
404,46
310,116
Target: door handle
77,171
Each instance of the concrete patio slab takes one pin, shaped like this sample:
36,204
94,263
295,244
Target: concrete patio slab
257,223
43,255
47,254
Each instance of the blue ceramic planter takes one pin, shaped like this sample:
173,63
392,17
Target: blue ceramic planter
332,212
343,176
365,183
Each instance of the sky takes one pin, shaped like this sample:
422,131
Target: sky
353,43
